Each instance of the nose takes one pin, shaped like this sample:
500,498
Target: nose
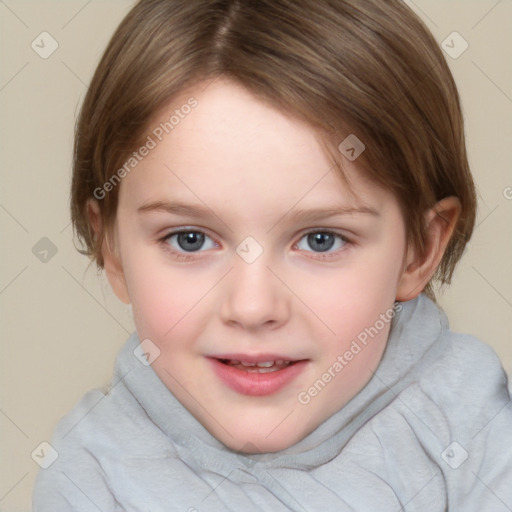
253,297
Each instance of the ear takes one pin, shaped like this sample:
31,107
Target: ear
419,268
111,261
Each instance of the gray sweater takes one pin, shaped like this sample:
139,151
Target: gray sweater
430,432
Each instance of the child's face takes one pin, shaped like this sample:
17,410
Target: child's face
253,174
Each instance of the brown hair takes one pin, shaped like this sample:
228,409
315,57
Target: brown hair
368,67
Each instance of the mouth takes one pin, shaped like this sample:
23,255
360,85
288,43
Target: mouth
259,367
257,375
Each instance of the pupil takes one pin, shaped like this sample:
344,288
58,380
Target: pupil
190,241
321,242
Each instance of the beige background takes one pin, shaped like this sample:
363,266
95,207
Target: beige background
61,324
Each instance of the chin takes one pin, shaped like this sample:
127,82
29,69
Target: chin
252,441
258,445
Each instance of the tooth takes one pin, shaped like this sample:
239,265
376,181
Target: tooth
279,362
234,362
243,363
266,364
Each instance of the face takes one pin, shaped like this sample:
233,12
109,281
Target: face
253,270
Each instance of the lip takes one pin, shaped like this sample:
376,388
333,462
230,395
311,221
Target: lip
254,358
252,383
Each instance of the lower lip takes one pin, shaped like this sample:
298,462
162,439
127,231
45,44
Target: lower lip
253,383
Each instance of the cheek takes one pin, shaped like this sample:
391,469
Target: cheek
348,300
349,304
164,298
360,312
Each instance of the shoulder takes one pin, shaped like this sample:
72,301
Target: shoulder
456,380
95,437
467,381
459,386
452,424
57,487
459,414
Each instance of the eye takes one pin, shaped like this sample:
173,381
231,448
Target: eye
189,241
321,241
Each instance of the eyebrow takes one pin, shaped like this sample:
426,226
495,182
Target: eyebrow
203,212
190,210
324,213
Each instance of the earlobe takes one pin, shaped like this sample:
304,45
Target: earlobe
440,220
111,260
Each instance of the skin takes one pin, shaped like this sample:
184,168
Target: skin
254,167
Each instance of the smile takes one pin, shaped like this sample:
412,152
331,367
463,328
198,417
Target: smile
261,367
257,377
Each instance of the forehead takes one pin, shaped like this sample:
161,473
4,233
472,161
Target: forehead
240,153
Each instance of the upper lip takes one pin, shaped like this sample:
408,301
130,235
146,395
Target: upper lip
255,358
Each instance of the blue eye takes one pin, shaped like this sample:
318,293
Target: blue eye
322,241
188,241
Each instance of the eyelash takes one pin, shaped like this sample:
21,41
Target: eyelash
179,255
326,255
187,257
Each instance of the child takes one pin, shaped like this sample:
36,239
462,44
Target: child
274,186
